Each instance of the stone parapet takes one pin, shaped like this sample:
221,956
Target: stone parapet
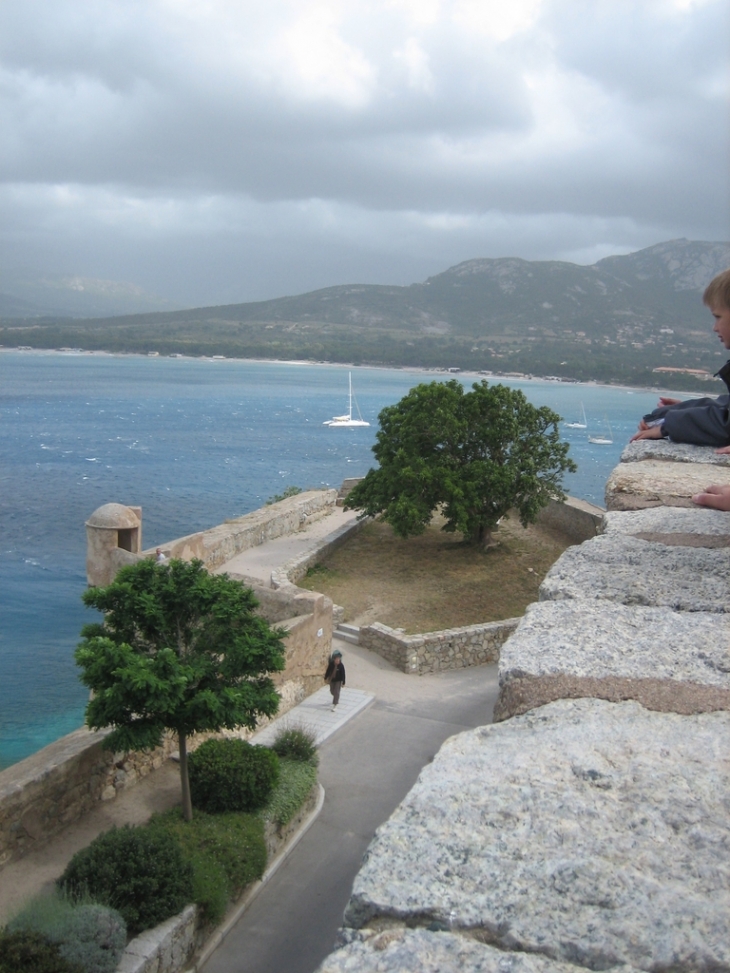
673,526
632,571
668,661
222,543
664,450
657,483
585,831
395,947
472,645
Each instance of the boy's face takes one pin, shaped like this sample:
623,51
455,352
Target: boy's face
721,326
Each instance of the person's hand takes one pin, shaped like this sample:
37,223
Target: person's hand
714,496
643,425
651,432
663,400
723,449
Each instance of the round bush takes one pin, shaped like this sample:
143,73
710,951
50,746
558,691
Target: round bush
231,775
94,937
296,743
30,952
139,871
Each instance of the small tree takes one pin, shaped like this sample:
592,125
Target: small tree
475,455
179,649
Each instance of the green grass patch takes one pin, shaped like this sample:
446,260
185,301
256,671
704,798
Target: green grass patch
227,852
296,780
321,571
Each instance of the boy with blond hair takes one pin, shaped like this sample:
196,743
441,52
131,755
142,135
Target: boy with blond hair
701,422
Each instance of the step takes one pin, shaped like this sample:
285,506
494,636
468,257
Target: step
348,633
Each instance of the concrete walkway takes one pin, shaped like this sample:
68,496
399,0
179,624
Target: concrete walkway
257,563
366,769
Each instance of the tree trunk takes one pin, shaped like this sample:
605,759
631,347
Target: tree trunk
187,804
483,536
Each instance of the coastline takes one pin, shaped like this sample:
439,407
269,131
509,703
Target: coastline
416,369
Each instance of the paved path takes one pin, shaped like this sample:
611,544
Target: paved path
367,768
257,563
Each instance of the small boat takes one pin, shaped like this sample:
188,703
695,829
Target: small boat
578,425
346,421
603,440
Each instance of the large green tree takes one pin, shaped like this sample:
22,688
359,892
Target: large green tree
179,649
473,455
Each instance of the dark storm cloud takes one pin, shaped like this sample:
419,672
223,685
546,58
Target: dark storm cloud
225,151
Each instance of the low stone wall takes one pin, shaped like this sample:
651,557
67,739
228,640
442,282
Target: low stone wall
575,518
169,947
222,543
456,648
295,569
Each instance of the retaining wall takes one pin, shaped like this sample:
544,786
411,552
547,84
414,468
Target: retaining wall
455,648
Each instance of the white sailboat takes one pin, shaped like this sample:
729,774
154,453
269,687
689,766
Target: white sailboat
578,425
346,421
603,440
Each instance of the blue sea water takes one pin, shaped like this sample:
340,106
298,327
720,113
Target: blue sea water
192,442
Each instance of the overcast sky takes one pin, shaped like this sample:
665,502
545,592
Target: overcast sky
215,151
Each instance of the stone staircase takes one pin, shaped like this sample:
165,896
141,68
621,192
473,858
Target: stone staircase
347,633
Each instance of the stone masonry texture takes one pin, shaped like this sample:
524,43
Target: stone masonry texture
589,832
656,483
695,527
397,948
668,661
637,572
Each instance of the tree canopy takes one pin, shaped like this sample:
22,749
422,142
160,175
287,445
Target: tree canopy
473,455
179,649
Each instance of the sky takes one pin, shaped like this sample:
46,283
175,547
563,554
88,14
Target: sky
218,151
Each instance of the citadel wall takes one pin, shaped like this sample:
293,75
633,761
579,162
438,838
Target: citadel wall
588,827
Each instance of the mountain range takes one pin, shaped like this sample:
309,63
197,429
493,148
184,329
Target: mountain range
615,320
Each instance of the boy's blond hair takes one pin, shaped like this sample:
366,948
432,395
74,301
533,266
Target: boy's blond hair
717,293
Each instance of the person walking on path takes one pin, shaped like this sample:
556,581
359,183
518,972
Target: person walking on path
335,676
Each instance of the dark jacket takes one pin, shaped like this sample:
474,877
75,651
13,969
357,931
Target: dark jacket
701,422
331,669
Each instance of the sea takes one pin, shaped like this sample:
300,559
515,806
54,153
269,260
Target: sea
193,442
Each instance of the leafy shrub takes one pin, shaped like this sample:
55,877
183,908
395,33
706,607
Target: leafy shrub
30,952
290,491
139,871
227,852
296,743
93,937
231,775
89,935
295,782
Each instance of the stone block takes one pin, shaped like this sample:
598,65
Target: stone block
667,661
400,950
695,527
663,450
635,572
594,833
654,483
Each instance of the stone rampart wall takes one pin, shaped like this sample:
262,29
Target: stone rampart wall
472,645
42,794
222,543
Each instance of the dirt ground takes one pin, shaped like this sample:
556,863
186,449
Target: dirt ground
436,581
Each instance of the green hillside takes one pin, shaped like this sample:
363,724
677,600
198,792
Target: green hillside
614,321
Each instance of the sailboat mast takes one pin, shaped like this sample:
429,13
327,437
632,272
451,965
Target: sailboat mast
349,411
